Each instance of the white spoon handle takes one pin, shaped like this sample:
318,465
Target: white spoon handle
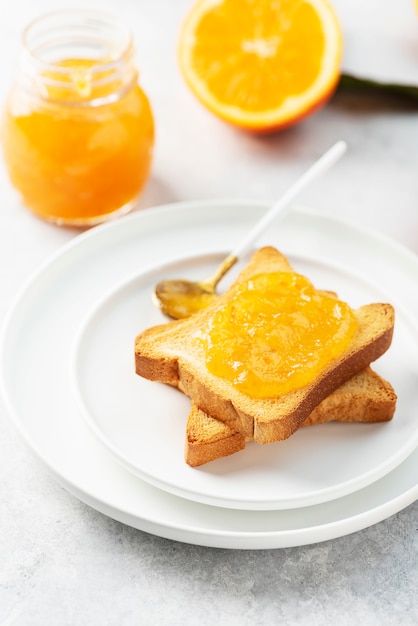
282,206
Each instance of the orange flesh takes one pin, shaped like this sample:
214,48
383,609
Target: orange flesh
276,334
72,162
267,58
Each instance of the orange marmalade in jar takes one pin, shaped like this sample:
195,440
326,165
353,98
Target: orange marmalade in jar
78,130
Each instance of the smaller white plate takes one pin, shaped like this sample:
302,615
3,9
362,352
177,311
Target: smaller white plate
143,423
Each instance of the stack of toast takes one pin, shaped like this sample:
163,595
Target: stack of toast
223,418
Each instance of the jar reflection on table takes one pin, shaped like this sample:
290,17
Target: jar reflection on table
78,130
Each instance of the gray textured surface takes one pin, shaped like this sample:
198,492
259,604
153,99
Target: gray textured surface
62,563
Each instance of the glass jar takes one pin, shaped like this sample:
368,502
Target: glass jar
78,130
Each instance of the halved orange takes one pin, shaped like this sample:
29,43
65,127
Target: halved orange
261,64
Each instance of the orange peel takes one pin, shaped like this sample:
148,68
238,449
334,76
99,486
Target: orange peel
261,65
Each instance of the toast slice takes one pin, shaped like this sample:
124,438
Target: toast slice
172,353
365,398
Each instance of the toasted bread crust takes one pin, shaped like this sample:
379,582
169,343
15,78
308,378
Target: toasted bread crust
365,398
208,439
169,353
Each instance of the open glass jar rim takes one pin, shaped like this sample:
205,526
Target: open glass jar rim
103,42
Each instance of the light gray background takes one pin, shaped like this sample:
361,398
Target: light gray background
62,563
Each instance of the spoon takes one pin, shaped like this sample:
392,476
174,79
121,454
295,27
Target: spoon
179,298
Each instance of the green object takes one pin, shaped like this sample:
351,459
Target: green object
348,82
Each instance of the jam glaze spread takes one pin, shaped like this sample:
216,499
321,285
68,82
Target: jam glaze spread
276,334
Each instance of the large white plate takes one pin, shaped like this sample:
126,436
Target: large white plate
143,423
40,329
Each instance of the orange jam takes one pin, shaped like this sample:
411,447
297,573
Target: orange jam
276,334
78,132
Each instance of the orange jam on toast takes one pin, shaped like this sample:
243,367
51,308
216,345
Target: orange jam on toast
276,334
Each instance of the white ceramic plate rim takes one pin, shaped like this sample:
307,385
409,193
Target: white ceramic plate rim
229,493
150,510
